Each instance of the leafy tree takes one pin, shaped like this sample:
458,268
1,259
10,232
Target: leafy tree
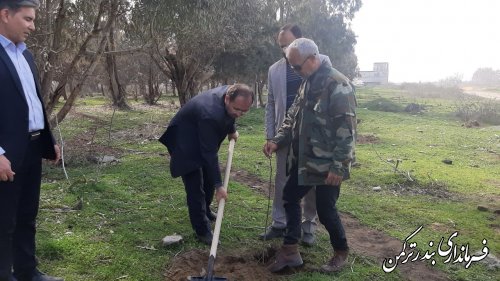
188,35
116,89
68,45
486,76
327,22
116,42
453,81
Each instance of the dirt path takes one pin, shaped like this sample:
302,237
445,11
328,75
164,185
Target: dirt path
243,266
364,241
482,93
368,242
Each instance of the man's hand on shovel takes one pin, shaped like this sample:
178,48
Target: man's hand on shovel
234,136
220,193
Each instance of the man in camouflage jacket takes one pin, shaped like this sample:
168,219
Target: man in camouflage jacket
319,128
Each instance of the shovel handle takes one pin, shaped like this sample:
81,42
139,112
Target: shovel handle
222,202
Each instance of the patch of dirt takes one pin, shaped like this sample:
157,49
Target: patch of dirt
241,267
147,132
89,145
442,228
252,181
496,228
365,139
368,242
495,183
84,148
437,190
95,119
488,202
471,124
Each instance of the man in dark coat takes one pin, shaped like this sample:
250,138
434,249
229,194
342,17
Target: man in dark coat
25,139
193,138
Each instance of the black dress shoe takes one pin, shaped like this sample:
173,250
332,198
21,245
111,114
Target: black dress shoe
211,216
205,239
38,276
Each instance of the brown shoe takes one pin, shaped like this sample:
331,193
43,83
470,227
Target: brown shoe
337,262
288,255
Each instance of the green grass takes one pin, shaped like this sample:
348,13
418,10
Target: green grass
127,207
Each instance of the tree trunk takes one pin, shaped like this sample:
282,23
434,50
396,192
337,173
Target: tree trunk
174,88
53,56
255,90
117,92
136,92
103,93
260,90
183,74
153,94
68,72
282,13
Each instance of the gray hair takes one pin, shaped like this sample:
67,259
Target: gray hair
305,47
16,4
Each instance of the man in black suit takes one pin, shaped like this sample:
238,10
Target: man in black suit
193,138
25,139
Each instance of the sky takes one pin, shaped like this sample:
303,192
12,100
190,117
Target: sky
428,40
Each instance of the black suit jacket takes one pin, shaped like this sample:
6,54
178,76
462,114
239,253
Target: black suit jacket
194,135
14,113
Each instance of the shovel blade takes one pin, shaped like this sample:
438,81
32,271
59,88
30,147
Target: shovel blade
208,278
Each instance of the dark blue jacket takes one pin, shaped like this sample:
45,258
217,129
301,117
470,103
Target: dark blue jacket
14,113
196,132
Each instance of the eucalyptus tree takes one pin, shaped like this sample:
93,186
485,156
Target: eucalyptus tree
249,65
187,36
68,44
327,22
486,76
117,91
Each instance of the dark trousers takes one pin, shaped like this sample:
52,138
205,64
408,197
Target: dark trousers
326,198
18,211
199,195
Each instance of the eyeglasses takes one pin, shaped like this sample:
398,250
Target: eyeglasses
298,67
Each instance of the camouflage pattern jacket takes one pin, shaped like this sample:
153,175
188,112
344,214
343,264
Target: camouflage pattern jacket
320,126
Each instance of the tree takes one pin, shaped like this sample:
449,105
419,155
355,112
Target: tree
327,22
249,65
189,41
187,36
486,76
68,45
116,90
453,81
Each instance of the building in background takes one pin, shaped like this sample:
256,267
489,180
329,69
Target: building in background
378,76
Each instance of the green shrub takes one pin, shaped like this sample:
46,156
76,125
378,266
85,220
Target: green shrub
483,110
383,104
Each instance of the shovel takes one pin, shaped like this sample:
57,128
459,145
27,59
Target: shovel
218,222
